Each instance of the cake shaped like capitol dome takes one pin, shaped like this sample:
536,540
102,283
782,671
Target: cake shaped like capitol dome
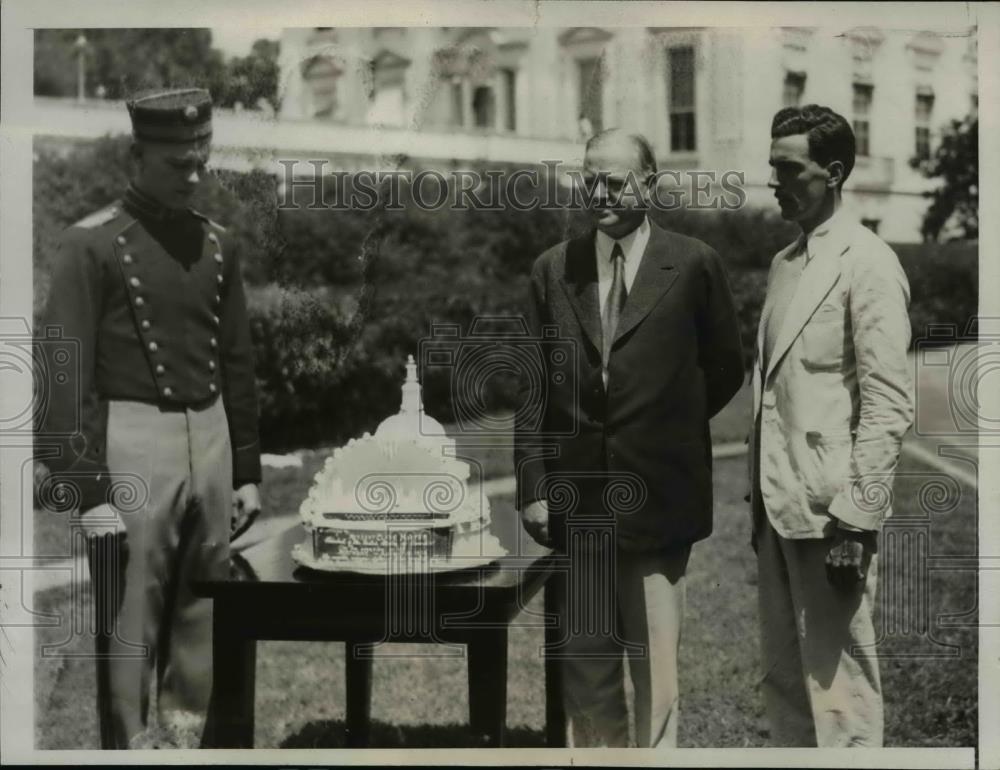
397,500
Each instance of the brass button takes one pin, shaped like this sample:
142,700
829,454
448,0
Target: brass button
153,347
215,318
211,387
218,257
213,342
127,259
121,240
160,369
139,302
168,392
219,278
218,299
134,282
145,324
211,366
213,237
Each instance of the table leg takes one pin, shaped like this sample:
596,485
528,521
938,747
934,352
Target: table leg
230,722
488,686
555,714
359,693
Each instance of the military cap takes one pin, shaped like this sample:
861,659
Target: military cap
178,115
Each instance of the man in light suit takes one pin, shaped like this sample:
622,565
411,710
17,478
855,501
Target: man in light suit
617,472
832,400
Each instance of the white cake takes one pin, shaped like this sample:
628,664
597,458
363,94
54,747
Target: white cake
397,500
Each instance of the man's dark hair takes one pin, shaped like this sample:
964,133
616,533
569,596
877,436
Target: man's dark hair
643,149
830,135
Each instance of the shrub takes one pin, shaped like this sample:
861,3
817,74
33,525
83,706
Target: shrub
318,376
944,285
745,239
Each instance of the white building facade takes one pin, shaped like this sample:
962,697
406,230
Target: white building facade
447,98
703,97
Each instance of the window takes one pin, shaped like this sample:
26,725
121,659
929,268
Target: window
872,224
680,76
591,72
320,75
795,86
484,110
924,109
508,79
457,117
862,117
387,96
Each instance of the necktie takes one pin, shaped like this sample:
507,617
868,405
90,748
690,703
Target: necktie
613,307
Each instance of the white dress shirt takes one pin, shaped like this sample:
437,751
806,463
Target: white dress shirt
633,245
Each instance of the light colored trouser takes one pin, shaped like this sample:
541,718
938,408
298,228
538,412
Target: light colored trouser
646,598
821,682
179,535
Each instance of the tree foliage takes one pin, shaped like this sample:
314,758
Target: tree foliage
120,62
955,202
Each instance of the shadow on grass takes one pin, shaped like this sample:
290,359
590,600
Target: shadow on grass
332,734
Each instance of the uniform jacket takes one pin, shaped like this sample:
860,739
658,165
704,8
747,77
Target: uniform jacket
640,448
150,309
836,398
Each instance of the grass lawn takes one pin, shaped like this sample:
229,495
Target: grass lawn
420,700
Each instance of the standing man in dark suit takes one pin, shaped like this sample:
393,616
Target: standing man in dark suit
166,404
617,470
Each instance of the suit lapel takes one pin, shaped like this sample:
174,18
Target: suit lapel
765,313
818,277
655,276
580,284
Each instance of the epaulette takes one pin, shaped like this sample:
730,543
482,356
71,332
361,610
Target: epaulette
98,218
211,222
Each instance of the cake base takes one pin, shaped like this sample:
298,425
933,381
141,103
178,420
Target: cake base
491,552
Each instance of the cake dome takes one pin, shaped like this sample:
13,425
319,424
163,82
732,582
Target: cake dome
397,493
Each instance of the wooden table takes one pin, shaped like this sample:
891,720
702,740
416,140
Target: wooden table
273,598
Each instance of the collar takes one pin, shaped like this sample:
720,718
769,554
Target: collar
820,236
825,232
146,207
632,244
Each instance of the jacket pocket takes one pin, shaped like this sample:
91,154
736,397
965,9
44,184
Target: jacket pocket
825,468
823,339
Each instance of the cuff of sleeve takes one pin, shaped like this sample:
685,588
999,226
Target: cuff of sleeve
531,486
94,490
246,465
851,516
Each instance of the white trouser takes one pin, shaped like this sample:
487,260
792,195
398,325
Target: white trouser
821,681
143,581
615,603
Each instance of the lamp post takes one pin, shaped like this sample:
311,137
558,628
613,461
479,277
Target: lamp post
80,47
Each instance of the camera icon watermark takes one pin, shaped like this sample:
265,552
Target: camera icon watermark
952,365
501,352
53,361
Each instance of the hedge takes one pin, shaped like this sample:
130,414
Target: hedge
339,298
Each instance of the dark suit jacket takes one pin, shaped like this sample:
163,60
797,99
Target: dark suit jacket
156,313
640,452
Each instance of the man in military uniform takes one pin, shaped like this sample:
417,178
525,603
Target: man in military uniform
167,406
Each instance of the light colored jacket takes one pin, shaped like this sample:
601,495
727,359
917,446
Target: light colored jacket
836,398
